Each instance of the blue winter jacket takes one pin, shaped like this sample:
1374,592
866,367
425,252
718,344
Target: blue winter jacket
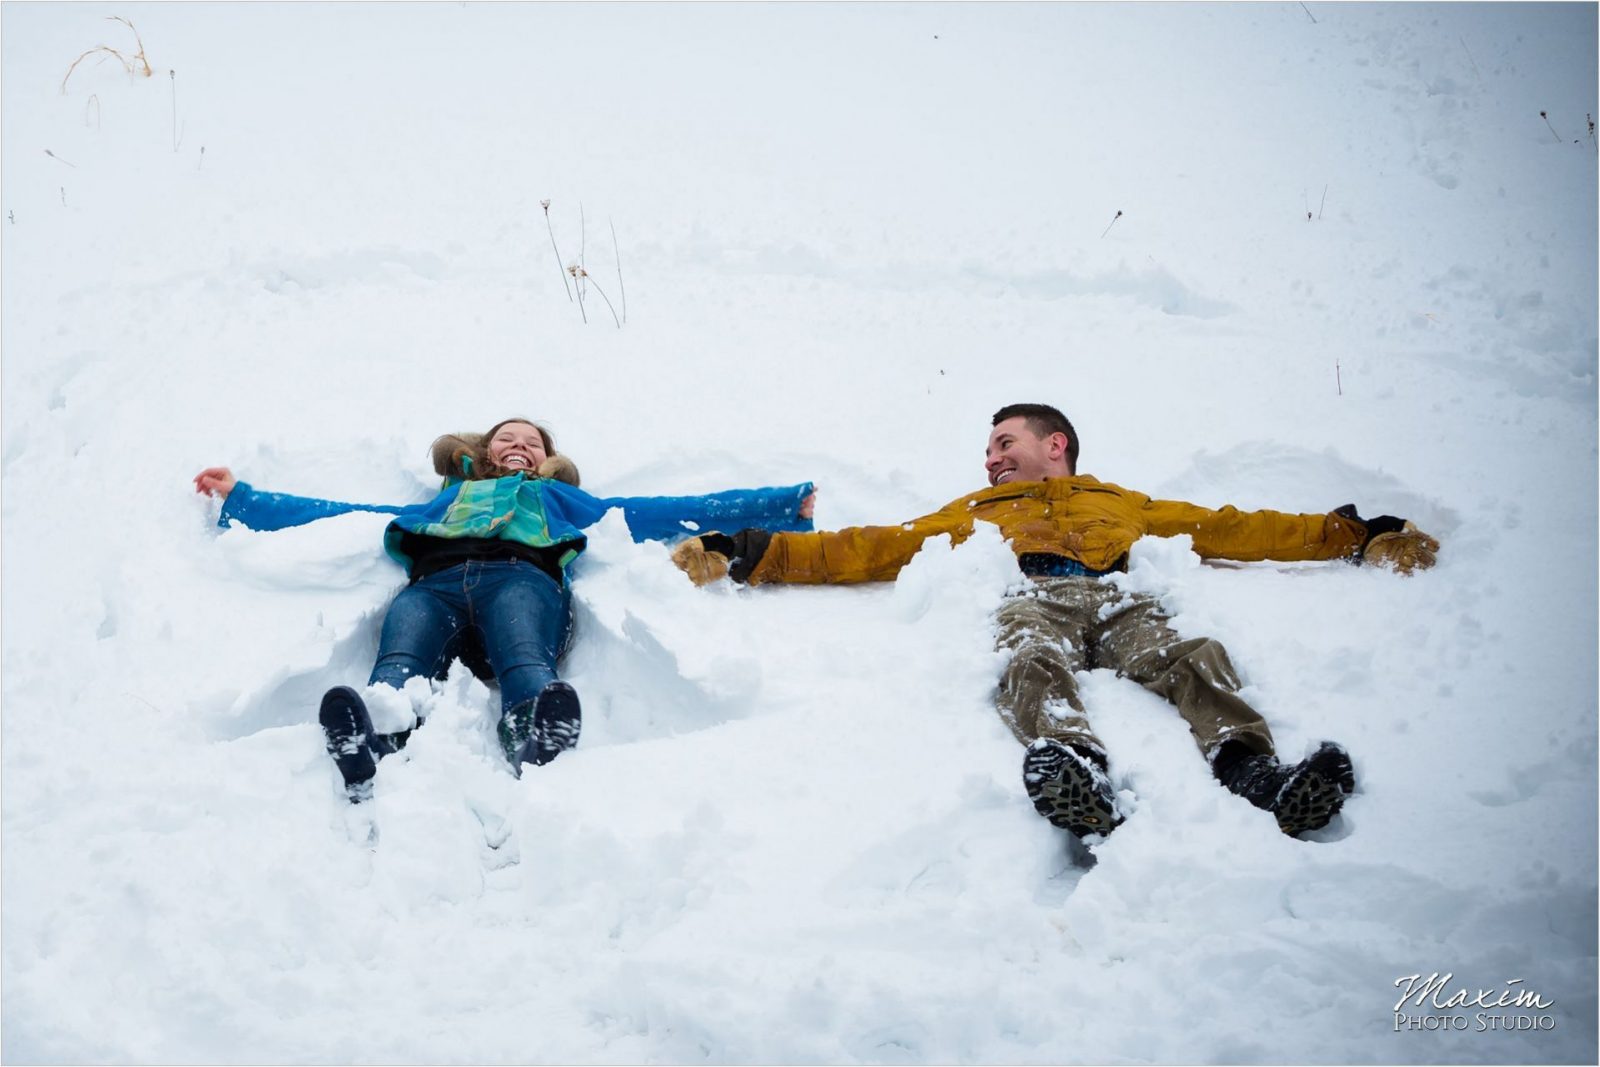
536,512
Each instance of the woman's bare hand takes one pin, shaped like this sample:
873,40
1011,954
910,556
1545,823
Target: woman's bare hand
217,481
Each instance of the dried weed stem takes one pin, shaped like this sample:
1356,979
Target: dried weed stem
546,205
138,65
623,288
582,274
575,270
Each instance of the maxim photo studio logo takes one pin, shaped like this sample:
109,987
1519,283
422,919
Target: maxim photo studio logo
1438,1002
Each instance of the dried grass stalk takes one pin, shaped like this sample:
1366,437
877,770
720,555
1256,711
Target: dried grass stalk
138,65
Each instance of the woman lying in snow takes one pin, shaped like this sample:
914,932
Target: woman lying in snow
488,559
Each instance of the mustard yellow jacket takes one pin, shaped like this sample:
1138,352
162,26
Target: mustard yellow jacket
1080,517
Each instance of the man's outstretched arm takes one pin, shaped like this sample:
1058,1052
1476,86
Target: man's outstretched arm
1228,533
856,554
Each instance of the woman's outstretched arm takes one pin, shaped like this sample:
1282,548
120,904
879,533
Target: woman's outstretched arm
666,518
256,510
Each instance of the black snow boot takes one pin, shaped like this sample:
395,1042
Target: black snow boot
1069,788
347,730
1305,796
537,731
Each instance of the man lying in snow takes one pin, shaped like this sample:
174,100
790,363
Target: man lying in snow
1069,530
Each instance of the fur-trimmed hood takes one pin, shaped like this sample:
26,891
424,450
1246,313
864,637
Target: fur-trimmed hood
459,455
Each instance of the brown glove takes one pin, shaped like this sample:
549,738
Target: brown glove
1404,550
1387,541
702,565
713,556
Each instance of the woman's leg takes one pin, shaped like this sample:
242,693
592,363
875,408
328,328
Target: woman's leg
524,617
420,624
423,626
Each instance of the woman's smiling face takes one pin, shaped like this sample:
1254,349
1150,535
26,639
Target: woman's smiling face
517,446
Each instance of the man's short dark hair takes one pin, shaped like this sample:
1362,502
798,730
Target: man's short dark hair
1043,420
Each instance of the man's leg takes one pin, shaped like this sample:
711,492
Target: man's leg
1044,629
1064,770
1194,675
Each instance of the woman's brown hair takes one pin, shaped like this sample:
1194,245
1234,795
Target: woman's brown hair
450,450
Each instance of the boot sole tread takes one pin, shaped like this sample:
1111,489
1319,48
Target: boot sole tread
1067,793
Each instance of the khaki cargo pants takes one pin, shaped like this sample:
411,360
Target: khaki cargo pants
1062,625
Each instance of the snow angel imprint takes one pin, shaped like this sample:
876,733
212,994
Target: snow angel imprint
489,560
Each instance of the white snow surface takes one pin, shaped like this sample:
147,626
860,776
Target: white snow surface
794,830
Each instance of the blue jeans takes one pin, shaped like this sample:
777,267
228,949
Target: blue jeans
520,615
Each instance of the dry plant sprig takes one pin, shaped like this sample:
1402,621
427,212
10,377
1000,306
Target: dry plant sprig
1323,204
58,159
94,99
1546,118
1474,62
574,269
624,289
177,137
546,205
1309,15
581,273
1112,223
583,245
143,65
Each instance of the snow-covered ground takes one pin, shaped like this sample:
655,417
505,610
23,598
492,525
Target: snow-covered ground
311,241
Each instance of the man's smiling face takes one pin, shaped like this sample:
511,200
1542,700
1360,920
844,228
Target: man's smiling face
1017,454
